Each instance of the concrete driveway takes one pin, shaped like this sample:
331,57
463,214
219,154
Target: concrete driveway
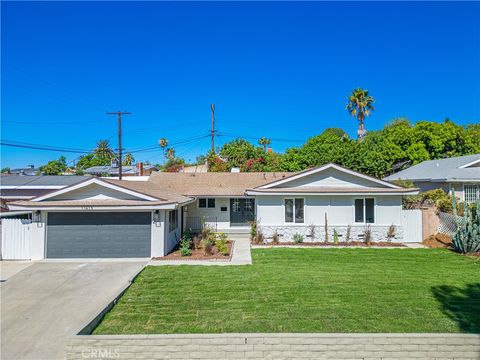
48,301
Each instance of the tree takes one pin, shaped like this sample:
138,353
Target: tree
163,143
103,150
264,142
128,160
170,153
360,105
5,170
54,167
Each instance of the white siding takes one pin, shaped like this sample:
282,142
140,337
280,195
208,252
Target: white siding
339,209
222,217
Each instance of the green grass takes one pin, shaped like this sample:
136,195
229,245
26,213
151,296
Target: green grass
307,290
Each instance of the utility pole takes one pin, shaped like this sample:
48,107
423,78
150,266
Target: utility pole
119,116
213,127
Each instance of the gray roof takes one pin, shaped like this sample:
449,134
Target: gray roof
449,170
113,170
40,180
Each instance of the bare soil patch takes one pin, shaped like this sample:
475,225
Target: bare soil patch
438,241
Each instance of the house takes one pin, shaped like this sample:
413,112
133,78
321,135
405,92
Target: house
30,170
101,217
20,187
461,174
112,170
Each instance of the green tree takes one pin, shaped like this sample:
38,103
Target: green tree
360,105
170,153
163,143
128,160
264,142
103,150
5,170
54,167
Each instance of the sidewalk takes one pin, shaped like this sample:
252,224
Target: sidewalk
240,256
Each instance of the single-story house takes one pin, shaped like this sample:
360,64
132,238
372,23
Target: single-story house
461,174
116,218
139,169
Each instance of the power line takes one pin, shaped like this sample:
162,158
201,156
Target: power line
258,138
42,147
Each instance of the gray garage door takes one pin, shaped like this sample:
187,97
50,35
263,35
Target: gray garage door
98,235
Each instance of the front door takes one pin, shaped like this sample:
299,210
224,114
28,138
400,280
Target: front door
242,211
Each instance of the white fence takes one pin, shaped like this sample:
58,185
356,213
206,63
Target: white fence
412,225
16,239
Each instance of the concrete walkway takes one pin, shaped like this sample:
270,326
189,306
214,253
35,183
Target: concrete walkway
240,256
11,268
48,302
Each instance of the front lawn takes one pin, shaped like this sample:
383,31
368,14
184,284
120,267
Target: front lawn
307,290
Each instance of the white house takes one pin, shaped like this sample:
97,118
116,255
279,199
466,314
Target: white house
100,218
460,174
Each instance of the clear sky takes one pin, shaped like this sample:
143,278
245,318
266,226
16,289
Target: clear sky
281,70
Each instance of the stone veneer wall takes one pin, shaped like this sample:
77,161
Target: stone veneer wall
286,232
276,346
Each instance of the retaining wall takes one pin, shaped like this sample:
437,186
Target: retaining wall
276,346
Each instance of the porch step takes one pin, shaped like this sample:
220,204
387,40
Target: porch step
237,233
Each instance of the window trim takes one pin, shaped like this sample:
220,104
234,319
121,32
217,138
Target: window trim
365,210
293,200
471,184
206,203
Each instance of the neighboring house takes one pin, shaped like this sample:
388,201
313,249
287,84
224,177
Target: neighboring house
112,170
29,171
201,168
20,187
461,174
115,218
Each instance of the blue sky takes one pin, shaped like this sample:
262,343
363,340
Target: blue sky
281,70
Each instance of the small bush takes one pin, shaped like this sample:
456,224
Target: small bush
207,245
187,234
326,228
367,235
335,237
222,247
222,237
312,231
298,238
391,232
196,242
347,235
253,230
185,248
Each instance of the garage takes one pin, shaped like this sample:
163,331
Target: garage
98,234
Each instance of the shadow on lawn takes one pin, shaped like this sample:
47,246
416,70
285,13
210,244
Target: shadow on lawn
461,305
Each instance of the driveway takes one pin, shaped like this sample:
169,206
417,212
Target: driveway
48,301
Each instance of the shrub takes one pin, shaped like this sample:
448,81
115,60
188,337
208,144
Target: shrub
275,237
222,237
326,228
207,245
196,242
335,237
347,235
222,246
187,234
467,235
185,248
256,235
312,231
298,238
367,235
259,238
391,232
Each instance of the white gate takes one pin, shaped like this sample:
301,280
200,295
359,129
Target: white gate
16,239
412,225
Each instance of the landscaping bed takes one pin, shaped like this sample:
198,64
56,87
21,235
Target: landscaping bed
306,290
329,244
199,254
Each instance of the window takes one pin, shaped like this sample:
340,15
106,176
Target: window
172,220
294,210
471,193
204,203
365,211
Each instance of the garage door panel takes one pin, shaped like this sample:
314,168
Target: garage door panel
97,235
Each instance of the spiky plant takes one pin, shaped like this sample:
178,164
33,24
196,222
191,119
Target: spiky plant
466,239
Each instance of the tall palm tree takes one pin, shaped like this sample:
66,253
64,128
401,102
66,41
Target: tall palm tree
128,159
264,142
103,150
170,153
163,143
360,105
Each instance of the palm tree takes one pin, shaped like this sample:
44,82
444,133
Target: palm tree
128,160
264,142
163,144
170,153
103,150
360,105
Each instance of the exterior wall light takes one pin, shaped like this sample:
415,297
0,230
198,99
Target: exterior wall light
36,216
156,216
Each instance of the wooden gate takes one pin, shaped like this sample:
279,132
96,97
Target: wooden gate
412,225
16,239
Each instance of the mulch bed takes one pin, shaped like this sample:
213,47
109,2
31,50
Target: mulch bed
340,244
199,254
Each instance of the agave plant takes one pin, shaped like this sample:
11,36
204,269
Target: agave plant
466,238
